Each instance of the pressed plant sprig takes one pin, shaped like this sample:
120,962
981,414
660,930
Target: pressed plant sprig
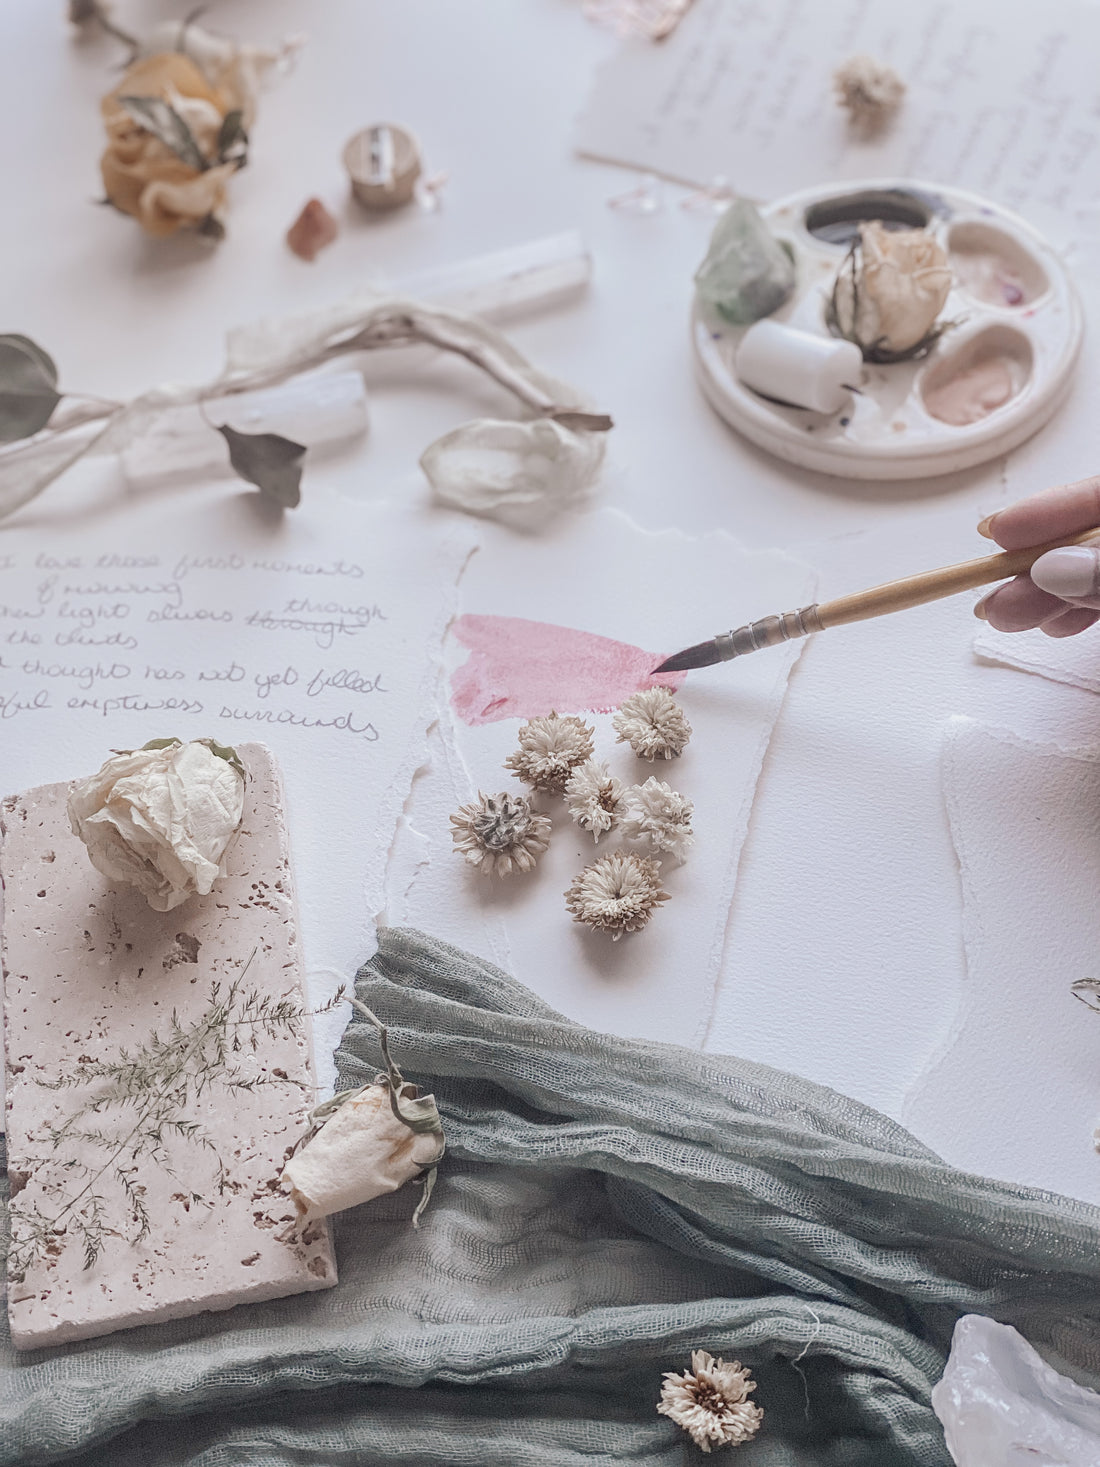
154,1087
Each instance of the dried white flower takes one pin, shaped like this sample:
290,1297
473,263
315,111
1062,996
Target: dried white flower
870,90
160,818
593,795
500,834
653,724
657,814
362,1151
617,893
549,750
711,1402
889,291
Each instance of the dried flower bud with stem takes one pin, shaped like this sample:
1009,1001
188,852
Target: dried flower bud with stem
711,1402
500,834
549,750
869,91
653,724
889,292
593,797
658,815
617,893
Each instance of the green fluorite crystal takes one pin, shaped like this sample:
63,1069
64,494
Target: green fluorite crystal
747,273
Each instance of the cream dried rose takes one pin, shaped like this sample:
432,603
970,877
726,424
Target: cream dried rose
142,174
161,818
890,291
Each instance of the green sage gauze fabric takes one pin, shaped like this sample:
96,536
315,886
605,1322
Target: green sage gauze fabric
605,1206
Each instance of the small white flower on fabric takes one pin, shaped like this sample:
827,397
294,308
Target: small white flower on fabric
869,90
617,893
161,818
653,724
549,750
659,815
362,1151
593,796
499,834
711,1402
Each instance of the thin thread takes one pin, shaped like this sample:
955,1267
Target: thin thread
801,1355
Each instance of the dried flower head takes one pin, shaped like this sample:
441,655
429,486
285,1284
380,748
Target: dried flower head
657,814
711,1402
549,750
593,796
888,292
869,90
500,834
617,893
653,724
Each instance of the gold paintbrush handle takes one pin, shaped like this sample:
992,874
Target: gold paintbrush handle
936,584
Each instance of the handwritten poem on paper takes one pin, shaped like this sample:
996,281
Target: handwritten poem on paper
1007,106
252,640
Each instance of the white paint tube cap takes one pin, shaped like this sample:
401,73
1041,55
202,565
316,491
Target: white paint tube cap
794,366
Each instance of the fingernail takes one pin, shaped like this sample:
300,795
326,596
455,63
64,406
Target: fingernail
979,609
985,527
1069,571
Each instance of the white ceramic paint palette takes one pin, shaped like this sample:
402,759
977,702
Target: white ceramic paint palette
1015,342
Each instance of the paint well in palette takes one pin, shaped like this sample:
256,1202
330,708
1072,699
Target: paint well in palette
527,669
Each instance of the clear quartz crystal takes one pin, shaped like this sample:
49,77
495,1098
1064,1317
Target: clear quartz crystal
1002,1405
317,409
747,274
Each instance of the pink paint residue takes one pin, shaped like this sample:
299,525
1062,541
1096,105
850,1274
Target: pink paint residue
526,669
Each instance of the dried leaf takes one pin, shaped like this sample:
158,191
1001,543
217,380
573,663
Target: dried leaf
232,145
28,388
160,118
271,462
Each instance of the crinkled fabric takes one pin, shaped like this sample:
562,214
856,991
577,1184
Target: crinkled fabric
605,1206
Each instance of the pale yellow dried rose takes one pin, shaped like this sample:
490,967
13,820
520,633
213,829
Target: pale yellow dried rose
890,290
142,175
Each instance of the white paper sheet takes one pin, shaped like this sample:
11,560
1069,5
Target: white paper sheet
1016,1090
317,632
655,591
1006,107
1072,660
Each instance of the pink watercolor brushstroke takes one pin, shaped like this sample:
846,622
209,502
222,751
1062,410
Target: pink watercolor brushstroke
526,669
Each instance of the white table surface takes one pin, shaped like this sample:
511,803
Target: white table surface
845,956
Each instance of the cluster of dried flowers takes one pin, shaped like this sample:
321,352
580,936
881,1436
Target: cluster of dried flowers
618,892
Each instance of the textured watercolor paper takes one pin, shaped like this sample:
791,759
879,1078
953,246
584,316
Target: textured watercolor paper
745,91
600,582
1015,1091
1072,660
318,631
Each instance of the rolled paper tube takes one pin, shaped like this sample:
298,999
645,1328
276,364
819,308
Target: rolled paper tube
361,1151
807,371
383,163
324,407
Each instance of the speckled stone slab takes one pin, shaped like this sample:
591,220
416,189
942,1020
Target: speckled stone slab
158,1077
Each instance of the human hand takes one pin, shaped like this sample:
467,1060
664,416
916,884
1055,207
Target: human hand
1061,595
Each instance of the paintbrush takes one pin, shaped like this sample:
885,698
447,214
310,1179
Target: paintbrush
932,585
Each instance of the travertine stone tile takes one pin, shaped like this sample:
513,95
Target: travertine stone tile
189,1152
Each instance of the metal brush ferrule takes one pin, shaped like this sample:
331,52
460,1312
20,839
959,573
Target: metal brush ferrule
769,631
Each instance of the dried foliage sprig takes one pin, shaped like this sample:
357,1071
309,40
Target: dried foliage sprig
137,1103
45,431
